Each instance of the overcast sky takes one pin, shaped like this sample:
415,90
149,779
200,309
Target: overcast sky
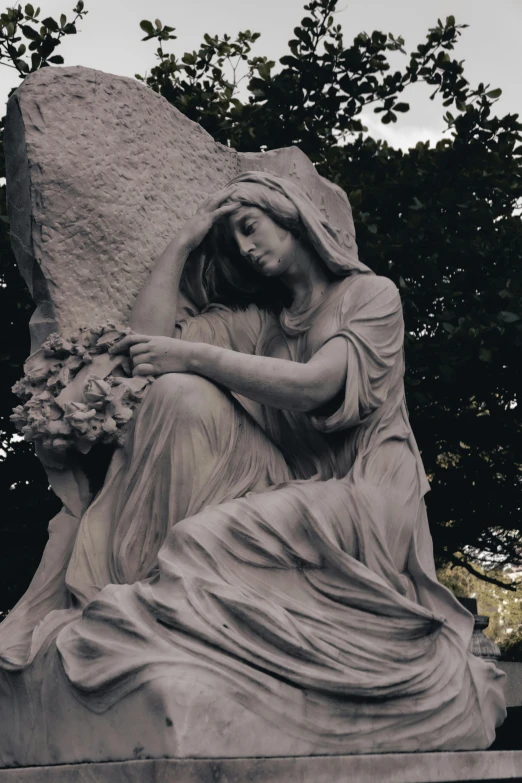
109,40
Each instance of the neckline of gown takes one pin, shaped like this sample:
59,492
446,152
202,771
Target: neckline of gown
294,324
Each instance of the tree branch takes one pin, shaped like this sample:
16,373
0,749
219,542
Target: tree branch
490,579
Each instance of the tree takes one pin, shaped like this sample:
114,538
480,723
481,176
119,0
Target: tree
503,607
441,221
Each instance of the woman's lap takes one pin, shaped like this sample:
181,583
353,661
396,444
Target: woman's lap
191,446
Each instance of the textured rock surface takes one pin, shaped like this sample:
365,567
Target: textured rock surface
388,768
513,670
101,173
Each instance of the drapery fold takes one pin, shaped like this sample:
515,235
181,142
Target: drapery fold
267,572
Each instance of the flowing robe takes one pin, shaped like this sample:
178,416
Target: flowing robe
253,581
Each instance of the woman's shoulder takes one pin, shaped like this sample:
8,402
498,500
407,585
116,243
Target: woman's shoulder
370,283
361,289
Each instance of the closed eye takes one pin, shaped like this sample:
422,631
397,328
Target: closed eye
248,229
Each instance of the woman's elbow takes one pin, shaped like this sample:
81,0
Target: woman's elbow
320,389
312,397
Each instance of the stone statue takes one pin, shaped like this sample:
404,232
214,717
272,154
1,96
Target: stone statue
255,576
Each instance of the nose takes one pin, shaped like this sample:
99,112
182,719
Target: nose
246,245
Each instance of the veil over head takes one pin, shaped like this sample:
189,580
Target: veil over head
268,192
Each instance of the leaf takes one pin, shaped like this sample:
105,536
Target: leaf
494,93
29,10
158,24
22,65
355,197
485,354
401,107
417,204
51,24
147,27
63,20
56,59
448,327
508,317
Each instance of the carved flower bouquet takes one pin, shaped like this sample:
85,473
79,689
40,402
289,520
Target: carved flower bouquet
74,394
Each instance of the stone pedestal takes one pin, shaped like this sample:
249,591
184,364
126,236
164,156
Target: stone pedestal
385,768
513,670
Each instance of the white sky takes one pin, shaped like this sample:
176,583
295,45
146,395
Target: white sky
109,40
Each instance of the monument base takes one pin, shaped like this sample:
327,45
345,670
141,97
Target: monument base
375,768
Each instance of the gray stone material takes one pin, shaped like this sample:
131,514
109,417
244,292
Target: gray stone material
513,670
255,578
387,768
101,173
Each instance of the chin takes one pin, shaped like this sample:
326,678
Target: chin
272,269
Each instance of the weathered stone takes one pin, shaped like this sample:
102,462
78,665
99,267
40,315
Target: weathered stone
387,768
513,670
101,173
205,604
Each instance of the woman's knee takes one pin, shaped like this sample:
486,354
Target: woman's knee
188,538
188,394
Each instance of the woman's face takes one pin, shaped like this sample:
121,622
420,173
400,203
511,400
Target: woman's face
268,247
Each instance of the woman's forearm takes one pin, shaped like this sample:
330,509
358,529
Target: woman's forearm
154,311
279,383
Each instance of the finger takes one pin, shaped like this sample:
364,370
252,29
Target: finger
214,201
144,369
138,348
125,343
217,198
143,358
224,210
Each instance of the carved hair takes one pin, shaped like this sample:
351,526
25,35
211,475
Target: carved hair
220,274
230,280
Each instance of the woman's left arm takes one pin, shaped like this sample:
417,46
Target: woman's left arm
279,383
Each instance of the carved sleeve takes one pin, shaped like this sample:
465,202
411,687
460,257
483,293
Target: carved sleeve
238,330
371,321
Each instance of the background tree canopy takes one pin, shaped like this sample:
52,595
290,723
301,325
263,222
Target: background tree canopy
442,222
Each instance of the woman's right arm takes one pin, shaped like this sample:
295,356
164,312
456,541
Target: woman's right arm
154,311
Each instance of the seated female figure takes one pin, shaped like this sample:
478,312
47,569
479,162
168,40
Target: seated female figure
259,554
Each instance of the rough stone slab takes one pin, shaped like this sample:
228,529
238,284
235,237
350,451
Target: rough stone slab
113,172
513,671
101,173
386,768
